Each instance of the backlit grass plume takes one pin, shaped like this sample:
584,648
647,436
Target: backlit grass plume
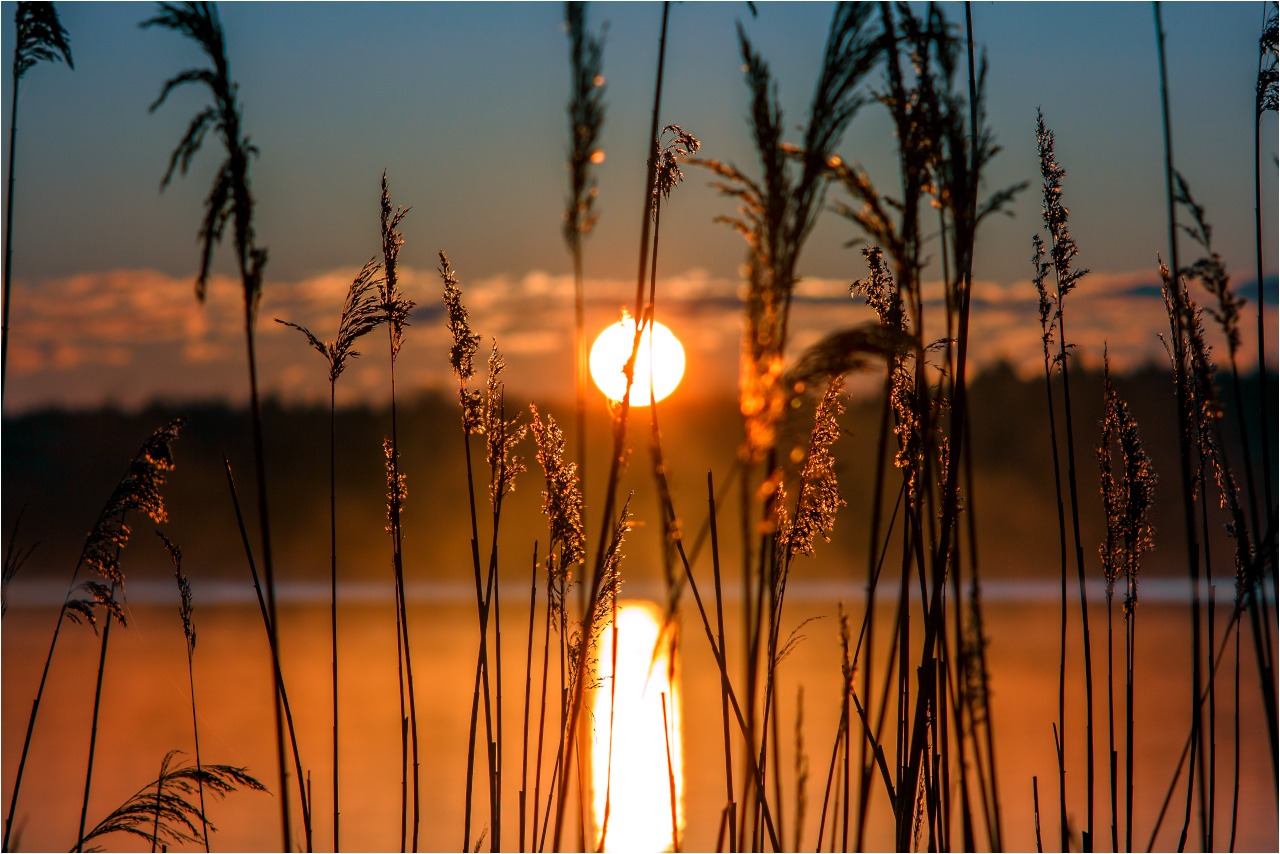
361,313
162,813
680,145
819,492
40,36
463,350
137,491
562,499
393,303
777,212
502,435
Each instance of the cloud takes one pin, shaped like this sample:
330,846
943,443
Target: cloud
131,336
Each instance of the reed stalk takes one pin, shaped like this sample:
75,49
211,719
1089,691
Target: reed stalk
189,634
1267,100
93,727
395,309
361,313
1182,382
586,121
229,200
1062,251
39,35
475,419
304,792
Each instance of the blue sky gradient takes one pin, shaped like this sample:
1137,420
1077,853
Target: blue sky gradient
464,105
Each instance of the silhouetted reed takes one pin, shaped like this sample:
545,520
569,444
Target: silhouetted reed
586,122
185,609
161,812
361,314
282,693
137,491
1127,487
1062,252
395,308
229,201
1267,101
39,36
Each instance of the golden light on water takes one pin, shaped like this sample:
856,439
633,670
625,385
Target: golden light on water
660,356
640,796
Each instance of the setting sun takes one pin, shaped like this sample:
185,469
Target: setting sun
660,356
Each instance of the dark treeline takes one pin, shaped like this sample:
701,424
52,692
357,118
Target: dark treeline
58,467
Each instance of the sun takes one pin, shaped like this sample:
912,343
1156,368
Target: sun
660,356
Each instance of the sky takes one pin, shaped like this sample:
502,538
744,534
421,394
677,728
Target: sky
463,105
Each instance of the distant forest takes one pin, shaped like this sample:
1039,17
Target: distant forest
60,466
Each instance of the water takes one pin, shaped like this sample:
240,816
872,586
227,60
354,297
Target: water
146,712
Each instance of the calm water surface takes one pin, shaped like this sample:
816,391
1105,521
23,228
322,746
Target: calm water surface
146,712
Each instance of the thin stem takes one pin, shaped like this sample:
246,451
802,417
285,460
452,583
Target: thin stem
8,256
1183,382
724,675
93,731
264,522
333,596
282,696
195,728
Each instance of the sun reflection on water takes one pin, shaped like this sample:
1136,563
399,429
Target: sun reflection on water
646,750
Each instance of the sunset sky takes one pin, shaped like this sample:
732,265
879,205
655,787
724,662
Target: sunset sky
464,106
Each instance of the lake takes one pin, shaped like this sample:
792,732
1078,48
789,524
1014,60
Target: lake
146,712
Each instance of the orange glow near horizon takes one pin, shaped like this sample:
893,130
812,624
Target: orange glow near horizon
660,356
640,789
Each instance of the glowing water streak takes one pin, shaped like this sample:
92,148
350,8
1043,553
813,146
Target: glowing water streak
640,793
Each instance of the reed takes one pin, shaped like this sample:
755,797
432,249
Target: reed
1128,490
229,201
586,123
1267,101
913,744
395,308
137,491
161,812
39,36
185,612
1062,252
304,792
361,314
14,558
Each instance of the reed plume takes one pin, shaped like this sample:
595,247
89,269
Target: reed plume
40,36
162,814
777,213
1127,487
